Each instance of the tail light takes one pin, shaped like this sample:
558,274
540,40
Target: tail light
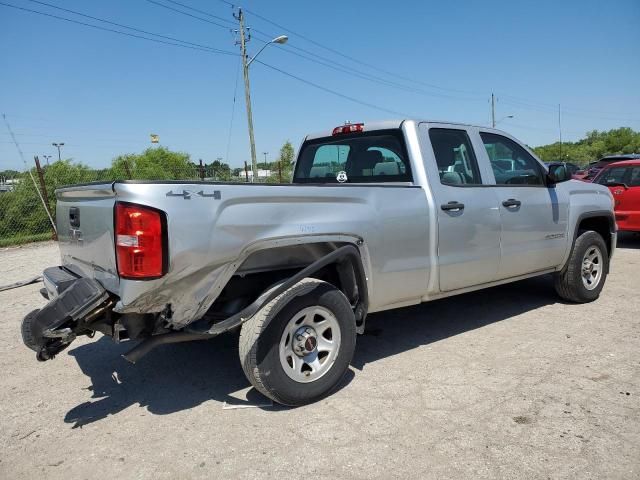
141,247
348,128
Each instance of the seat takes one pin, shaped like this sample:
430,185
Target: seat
365,163
386,168
452,178
318,172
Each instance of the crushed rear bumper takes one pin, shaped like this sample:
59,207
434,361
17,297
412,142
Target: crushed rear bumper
73,303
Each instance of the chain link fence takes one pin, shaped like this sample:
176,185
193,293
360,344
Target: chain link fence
27,199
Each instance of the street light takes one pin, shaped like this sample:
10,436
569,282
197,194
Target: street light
246,61
281,40
46,157
504,118
58,146
265,159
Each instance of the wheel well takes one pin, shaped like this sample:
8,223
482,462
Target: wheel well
268,267
601,225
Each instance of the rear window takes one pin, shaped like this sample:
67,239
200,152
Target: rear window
366,157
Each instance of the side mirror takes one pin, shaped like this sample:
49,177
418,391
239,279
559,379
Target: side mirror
558,172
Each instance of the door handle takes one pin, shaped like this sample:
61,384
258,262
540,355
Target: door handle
452,206
512,202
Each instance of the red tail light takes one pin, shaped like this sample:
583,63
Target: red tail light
140,241
348,128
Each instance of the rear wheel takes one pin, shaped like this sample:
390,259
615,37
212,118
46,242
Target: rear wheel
298,347
583,277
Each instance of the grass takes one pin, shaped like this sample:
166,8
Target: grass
23,239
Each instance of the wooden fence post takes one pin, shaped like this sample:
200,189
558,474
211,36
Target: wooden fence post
44,193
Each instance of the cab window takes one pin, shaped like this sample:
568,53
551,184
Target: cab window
511,164
457,164
364,157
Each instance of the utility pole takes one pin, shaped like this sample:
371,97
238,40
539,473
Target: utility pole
247,95
560,131
58,146
493,110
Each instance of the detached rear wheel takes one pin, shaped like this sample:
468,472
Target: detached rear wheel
583,277
299,346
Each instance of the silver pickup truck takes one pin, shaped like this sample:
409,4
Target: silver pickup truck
378,216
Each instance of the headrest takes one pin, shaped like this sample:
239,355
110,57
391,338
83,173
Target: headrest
369,159
386,168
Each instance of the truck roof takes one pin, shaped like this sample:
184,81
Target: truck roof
391,124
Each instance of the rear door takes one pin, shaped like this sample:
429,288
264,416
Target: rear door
468,216
533,216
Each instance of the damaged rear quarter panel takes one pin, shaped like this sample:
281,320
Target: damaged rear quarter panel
210,235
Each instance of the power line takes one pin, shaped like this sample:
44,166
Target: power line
123,26
354,59
202,12
360,74
210,50
328,90
226,27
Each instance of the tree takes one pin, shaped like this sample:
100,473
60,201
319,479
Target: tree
219,170
157,163
594,146
283,165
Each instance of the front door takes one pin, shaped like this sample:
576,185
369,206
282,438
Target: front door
533,216
624,183
468,216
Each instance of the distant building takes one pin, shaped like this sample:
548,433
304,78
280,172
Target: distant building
261,173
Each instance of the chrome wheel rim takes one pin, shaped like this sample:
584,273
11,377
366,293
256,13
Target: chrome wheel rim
592,266
309,344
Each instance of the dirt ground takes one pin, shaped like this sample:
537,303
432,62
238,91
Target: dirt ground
504,383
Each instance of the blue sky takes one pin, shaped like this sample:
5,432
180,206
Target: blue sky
103,94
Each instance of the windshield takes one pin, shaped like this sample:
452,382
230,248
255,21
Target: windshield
365,157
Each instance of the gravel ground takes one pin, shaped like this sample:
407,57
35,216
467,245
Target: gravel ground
504,383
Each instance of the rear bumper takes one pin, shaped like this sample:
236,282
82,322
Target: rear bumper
73,302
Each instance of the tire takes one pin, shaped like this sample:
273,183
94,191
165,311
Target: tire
25,328
268,339
570,282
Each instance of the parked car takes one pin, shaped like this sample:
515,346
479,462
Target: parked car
623,180
378,216
595,167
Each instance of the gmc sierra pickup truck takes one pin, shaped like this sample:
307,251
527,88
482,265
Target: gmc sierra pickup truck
378,216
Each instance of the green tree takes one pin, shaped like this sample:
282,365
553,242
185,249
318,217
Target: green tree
157,163
283,165
595,145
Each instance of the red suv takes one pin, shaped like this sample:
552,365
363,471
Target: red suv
623,179
592,170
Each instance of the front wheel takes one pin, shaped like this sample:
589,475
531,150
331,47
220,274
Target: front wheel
583,277
297,348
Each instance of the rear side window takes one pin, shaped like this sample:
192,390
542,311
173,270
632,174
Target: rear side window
457,164
634,178
511,164
364,157
612,175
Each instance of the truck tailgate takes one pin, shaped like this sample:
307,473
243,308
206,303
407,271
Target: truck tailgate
84,218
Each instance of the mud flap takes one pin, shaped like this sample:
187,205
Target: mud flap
50,330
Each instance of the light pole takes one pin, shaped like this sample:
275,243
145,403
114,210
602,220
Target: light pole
265,159
46,157
246,61
58,146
